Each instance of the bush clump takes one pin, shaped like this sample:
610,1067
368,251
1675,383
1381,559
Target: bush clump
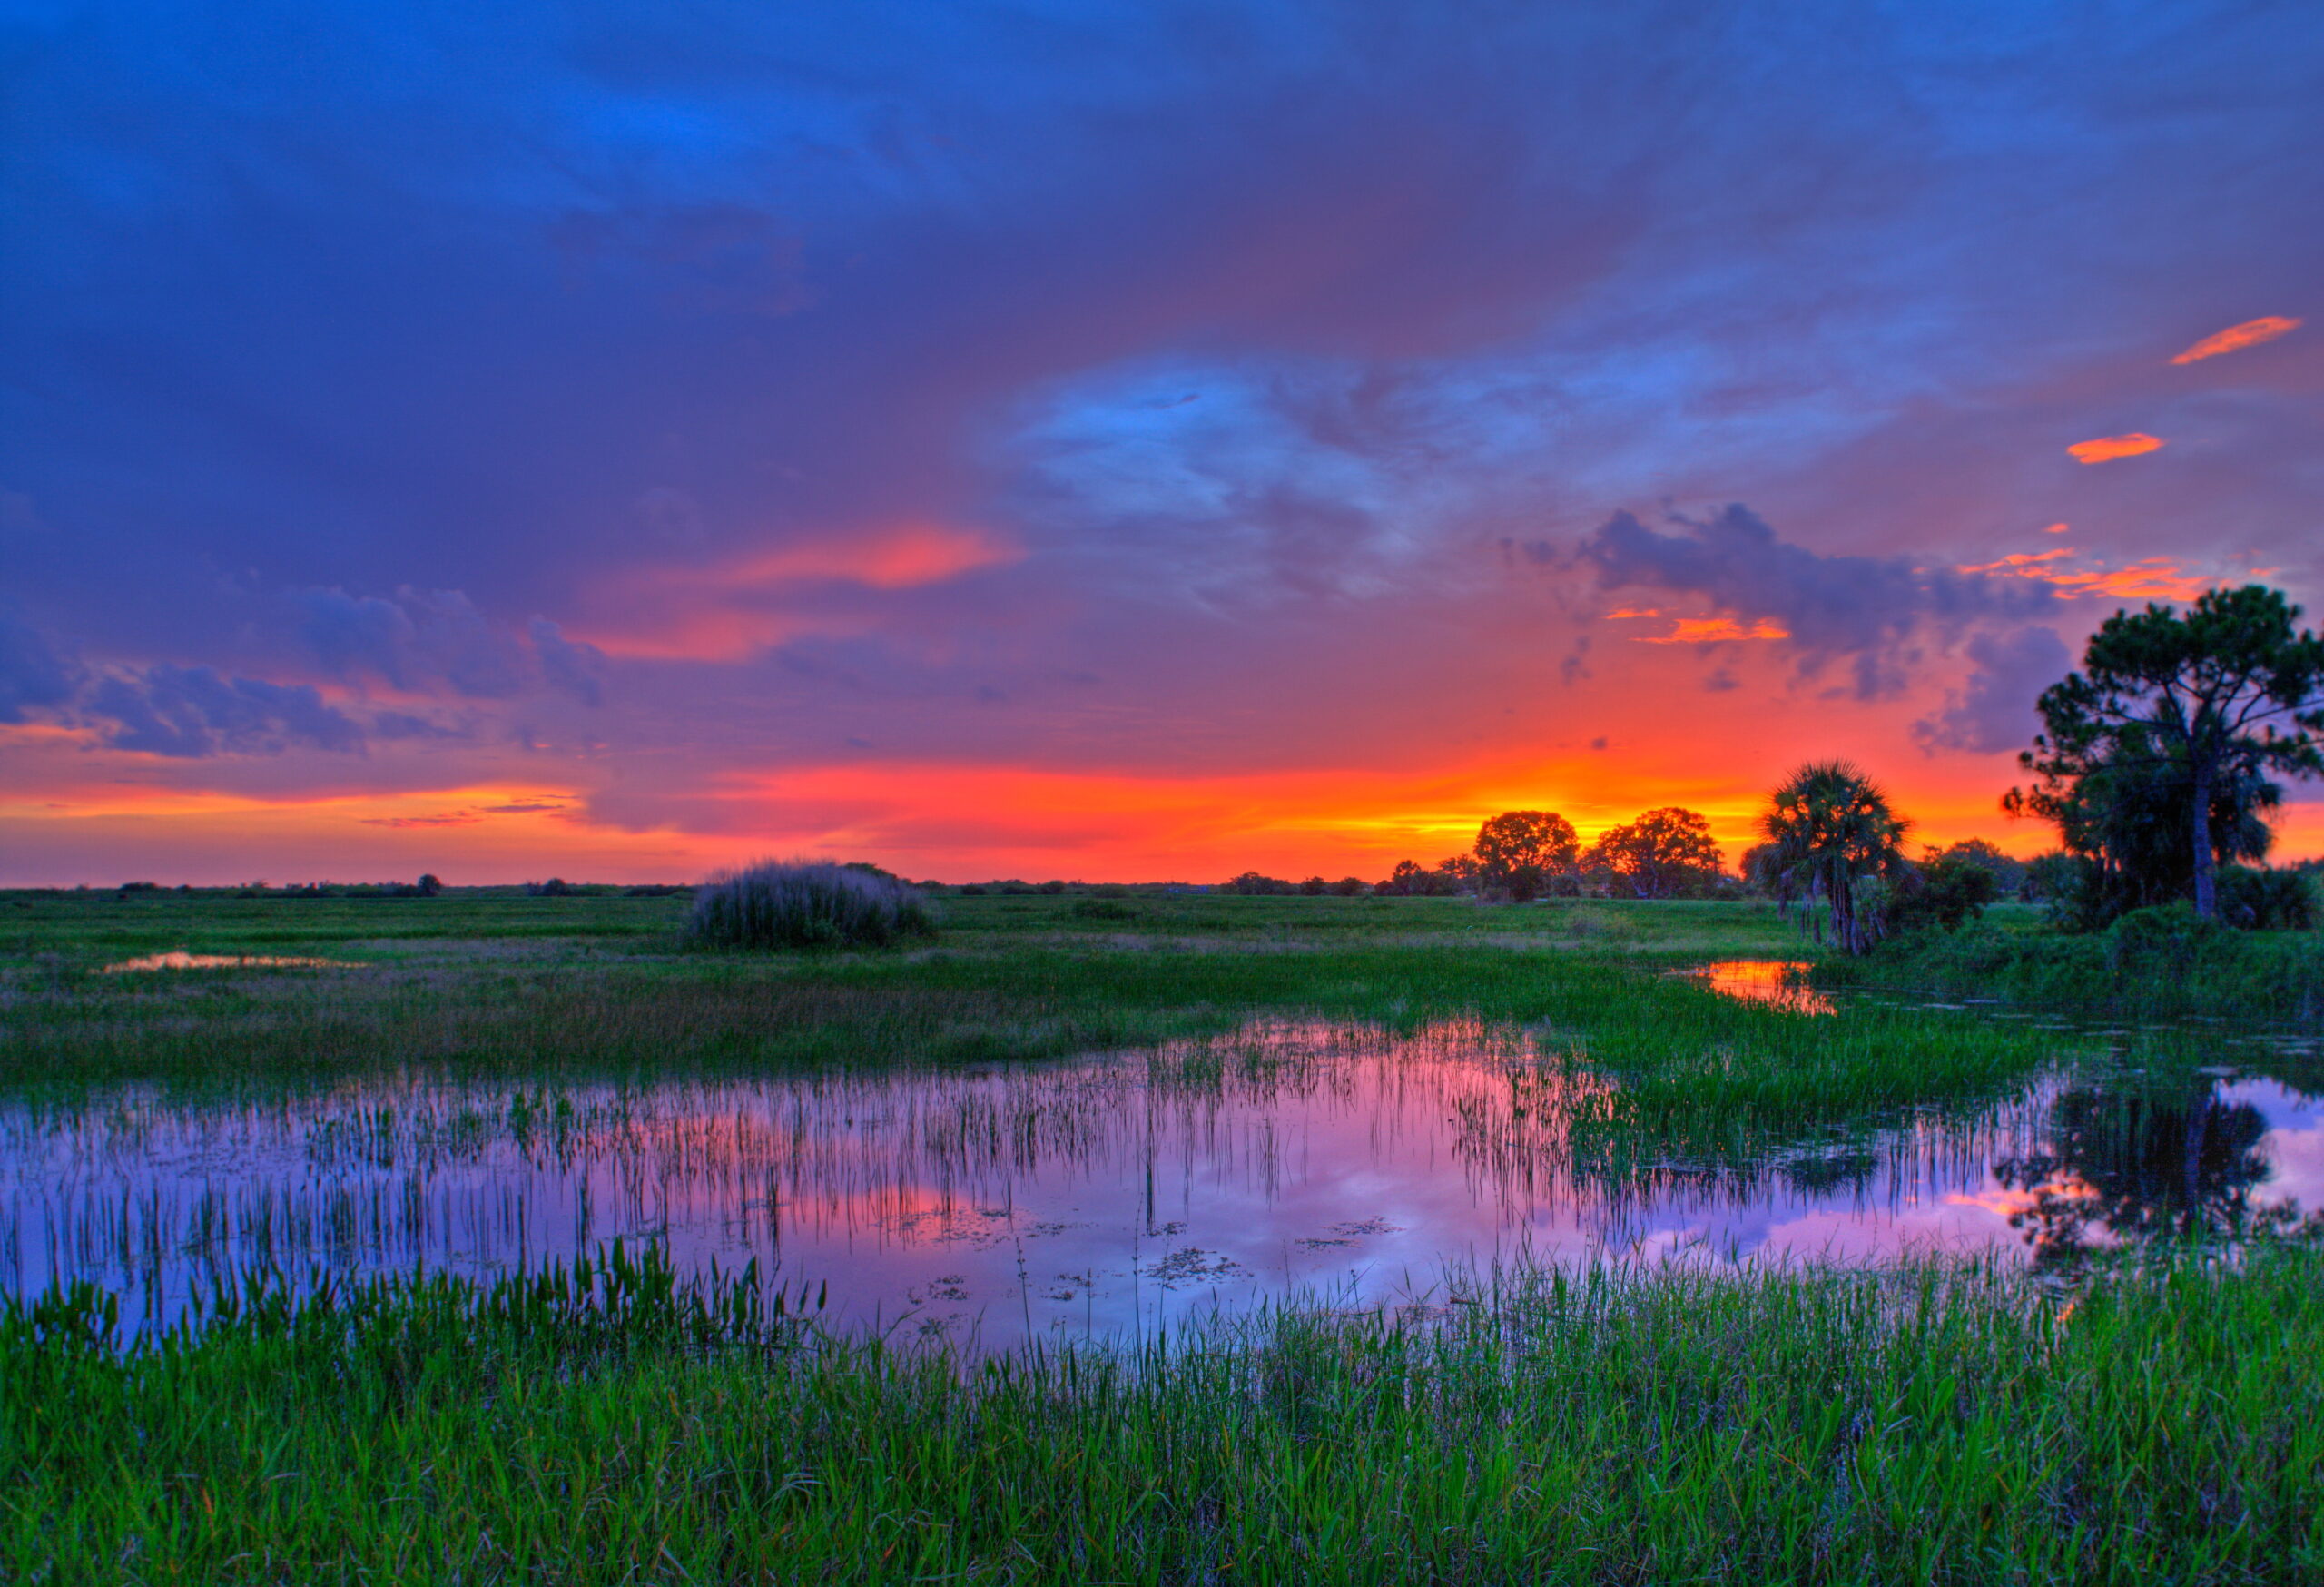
802,904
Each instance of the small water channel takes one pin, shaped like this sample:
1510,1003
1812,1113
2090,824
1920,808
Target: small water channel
1116,1195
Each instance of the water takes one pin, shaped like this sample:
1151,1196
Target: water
1108,1196
1776,983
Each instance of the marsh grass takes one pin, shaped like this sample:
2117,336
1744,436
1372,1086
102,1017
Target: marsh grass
619,1423
2152,964
1938,1424
1689,1063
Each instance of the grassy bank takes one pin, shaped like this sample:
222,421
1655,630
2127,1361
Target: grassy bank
2152,964
1933,1425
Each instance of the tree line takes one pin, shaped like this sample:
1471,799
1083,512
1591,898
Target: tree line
2154,764
1521,855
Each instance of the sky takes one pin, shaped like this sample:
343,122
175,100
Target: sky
1109,441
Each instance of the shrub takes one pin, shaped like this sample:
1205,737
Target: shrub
1954,887
554,887
2161,941
2261,899
804,904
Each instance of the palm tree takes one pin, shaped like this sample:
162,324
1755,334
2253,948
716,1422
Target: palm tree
1829,831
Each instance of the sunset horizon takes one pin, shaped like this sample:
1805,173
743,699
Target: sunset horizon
624,450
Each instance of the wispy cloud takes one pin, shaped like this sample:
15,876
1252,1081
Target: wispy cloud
2156,578
731,610
2236,338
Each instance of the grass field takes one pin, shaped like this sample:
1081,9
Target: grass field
1942,1422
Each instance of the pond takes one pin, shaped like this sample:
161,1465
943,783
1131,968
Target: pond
1113,1196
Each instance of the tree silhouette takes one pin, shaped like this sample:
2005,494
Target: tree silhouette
1662,852
1829,830
2217,698
1518,851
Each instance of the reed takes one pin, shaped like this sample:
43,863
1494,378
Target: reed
1936,1425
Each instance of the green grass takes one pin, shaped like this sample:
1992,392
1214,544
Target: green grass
1012,977
2149,965
1939,1425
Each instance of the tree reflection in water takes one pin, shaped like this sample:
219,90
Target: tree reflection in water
2143,1164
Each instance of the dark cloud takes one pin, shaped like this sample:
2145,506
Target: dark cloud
182,712
572,666
187,712
418,640
1860,610
1994,711
32,674
1576,665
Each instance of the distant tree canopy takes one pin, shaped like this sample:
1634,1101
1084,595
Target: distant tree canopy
1411,879
2160,746
1521,852
1661,854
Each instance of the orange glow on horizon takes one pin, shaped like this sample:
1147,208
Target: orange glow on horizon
2236,338
963,822
2106,448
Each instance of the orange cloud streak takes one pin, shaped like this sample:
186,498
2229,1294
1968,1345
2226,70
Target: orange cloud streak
2106,448
2236,338
2154,579
1713,630
2022,564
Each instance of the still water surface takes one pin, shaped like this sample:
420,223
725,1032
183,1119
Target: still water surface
1110,1196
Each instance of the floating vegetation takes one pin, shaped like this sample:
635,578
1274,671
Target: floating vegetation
182,959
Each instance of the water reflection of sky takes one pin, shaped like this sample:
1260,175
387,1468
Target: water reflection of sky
1091,1196
1779,983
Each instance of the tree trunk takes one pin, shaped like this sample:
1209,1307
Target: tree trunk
2206,884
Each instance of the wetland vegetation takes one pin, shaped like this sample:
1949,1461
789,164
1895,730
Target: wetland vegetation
1158,1236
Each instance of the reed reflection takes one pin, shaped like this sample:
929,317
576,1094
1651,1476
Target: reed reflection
1099,1195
